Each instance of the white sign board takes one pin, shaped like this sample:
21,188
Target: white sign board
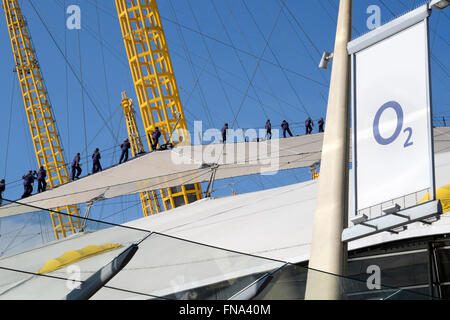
392,112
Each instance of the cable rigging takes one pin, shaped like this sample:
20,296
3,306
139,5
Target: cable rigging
72,69
276,58
227,98
9,123
194,73
271,92
241,64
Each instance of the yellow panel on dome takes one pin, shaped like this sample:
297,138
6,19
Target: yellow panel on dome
443,194
73,256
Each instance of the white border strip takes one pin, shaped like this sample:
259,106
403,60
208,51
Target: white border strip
389,29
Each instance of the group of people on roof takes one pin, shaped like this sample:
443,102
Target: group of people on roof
41,175
309,124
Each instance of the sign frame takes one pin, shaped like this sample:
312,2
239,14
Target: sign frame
388,30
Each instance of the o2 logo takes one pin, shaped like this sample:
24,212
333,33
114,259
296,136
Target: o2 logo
376,122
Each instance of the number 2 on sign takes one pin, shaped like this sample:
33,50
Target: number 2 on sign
376,123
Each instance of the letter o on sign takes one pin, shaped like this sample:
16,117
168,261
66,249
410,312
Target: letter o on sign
376,122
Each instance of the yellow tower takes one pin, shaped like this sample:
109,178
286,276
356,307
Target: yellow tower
149,199
39,114
155,84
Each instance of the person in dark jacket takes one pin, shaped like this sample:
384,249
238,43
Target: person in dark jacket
268,130
224,133
321,123
155,138
309,125
76,167
96,167
2,189
285,127
124,146
28,181
41,175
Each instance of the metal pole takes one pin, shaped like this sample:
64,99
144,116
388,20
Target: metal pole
328,252
99,279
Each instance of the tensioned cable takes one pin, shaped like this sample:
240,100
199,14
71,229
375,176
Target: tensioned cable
227,98
102,53
238,49
67,163
67,279
337,10
187,241
82,96
276,58
194,173
106,152
194,73
435,30
120,60
71,68
278,99
440,65
227,210
391,12
18,233
67,82
114,54
445,14
22,241
250,85
436,59
10,122
155,186
313,60
27,142
267,45
333,20
240,62
271,92
232,46
137,203
301,28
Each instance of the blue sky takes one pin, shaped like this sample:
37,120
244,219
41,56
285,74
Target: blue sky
240,37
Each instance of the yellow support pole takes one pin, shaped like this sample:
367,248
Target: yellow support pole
149,199
154,81
39,114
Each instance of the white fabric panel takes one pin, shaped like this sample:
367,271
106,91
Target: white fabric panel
156,170
180,166
275,223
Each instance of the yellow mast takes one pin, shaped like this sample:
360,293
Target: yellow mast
155,84
149,199
40,118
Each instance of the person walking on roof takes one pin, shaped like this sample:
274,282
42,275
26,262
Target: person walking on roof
96,167
321,123
268,130
42,184
124,146
2,189
155,138
285,127
309,124
224,133
28,180
76,167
